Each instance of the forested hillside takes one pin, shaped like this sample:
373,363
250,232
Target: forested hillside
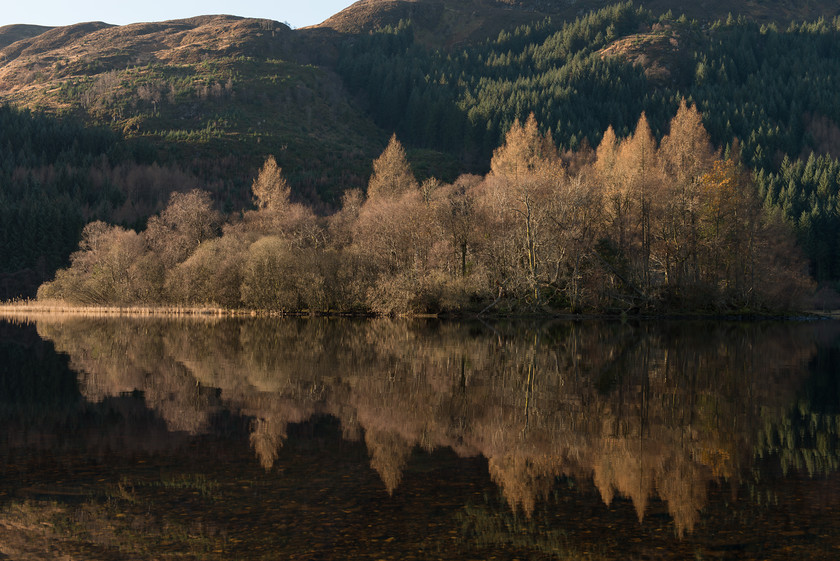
213,94
47,193
775,90
58,174
201,103
444,23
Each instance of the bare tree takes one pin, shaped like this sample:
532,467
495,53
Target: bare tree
188,220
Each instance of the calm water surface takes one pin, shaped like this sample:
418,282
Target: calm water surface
334,439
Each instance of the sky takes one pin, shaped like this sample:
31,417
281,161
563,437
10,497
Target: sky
298,13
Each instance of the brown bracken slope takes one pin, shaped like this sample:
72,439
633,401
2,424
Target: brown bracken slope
12,33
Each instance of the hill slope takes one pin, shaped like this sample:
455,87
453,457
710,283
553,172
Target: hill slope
442,23
191,103
12,33
199,88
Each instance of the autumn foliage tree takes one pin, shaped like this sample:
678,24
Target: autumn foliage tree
393,234
687,155
636,225
276,214
392,175
523,172
270,189
103,270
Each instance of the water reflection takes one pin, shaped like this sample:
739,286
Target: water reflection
644,411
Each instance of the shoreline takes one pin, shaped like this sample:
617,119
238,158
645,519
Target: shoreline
60,308
29,308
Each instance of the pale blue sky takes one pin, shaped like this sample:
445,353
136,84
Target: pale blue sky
299,13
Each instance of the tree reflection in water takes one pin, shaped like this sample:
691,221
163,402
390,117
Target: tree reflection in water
645,411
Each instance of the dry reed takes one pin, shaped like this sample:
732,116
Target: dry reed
18,308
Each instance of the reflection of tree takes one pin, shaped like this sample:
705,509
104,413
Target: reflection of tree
389,454
646,411
266,439
808,439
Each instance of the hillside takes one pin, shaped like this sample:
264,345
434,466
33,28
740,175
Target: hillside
199,88
12,33
202,102
212,85
442,23
445,23
186,104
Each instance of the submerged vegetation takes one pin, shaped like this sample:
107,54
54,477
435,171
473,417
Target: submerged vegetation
636,225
